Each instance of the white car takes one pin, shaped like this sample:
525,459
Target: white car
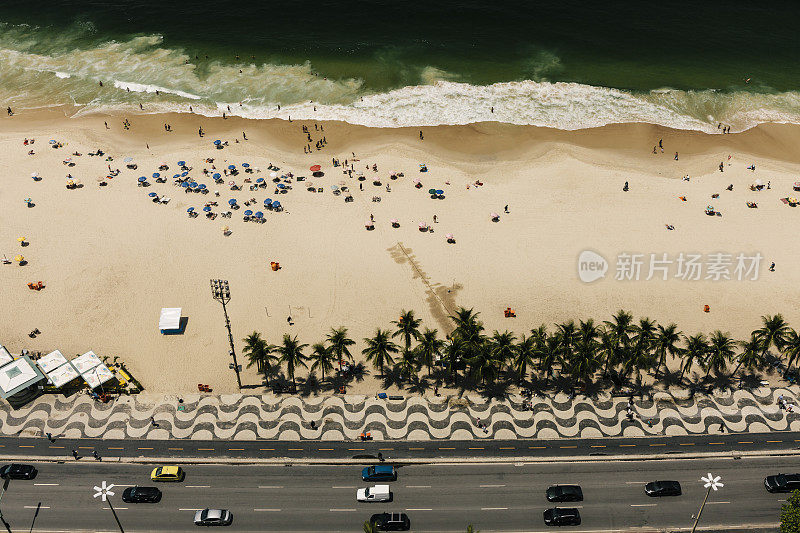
378,493
213,517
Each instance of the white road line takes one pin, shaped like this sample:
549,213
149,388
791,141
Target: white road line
270,486
636,482
190,509
419,509
109,508
198,486
35,507
342,510
491,486
418,486
121,485
643,504
715,503
341,487
46,484
267,510
494,508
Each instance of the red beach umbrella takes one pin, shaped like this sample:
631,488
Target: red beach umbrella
315,168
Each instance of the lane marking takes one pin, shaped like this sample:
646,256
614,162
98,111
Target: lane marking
270,486
476,448
418,486
121,485
537,447
25,446
82,447
199,449
597,446
567,446
715,503
416,448
116,448
745,442
325,449
43,507
175,449
643,504
686,444
774,441
494,508
385,449
660,444
198,486
235,449
46,484
145,448
419,509
104,508
636,482
626,445
341,487
266,449
342,510
490,486
57,446
267,510
446,448
716,443
190,509
508,448
295,449
356,449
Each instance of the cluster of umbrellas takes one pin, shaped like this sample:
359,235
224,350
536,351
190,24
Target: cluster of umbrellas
436,194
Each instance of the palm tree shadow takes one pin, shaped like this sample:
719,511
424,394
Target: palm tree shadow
495,390
671,378
392,376
310,385
418,385
358,372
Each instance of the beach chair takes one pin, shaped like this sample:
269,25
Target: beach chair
165,200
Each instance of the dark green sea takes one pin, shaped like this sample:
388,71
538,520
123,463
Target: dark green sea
565,64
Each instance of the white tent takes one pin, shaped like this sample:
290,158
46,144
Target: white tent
51,361
84,363
17,376
5,356
62,375
97,376
170,321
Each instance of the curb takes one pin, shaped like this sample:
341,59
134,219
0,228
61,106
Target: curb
400,461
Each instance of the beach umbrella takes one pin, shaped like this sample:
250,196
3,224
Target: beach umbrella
184,174
156,175
207,208
231,167
181,163
431,191
494,215
276,204
315,168
27,200
225,229
422,225
259,214
448,236
202,186
232,201
19,259
216,176
260,180
248,212
439,192
34,174
217,142
246,165
185,184
176,176
142,179
268,201
416,180
152,195
190,210
281,186
273,174
20,239
369,224
797,185
52,141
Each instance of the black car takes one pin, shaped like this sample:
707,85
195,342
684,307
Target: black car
141,495
663,488
379,473
559,516
390,522
16,471
564,493
782,483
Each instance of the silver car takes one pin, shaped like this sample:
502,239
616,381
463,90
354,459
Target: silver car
213,517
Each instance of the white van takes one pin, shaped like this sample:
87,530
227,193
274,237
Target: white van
378,493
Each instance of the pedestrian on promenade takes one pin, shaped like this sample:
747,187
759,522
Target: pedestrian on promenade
49,437
96,455
153,422
75,454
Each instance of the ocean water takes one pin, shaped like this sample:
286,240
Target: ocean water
565,64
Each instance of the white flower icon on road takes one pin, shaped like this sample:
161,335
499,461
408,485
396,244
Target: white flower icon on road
104,490
711,481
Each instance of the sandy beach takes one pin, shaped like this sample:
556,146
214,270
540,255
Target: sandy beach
110,258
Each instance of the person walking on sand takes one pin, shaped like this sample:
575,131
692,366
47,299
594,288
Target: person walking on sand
661,144
676,156
420,131
244,136
11,113
200,131
506,208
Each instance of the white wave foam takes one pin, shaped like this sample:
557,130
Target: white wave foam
62,75
145,88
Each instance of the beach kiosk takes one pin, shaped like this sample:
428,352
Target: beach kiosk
20,380
92,369
57,369
170,321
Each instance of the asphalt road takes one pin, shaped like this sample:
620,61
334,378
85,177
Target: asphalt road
437,498
321,450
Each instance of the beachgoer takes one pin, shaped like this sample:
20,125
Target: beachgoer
655,149
244,136
676,156
106,124
625,187
420,131
10,113
769,183
772,267
492,109
434,219
661,144
75,454
153,422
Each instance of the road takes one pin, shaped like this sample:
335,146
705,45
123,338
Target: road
320,450
437,498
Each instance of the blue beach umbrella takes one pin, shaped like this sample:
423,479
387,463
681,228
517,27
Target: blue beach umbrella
231,167
181,163
184,174
190,210
439,191
259,214
185,184
152,195
156,175
142,179
217,142
276,204
268,201
248,212
246,165
281,186
207,208
260,180
202,186
176,176
216,176
232,201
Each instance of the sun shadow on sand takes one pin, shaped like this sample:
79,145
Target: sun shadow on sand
441,299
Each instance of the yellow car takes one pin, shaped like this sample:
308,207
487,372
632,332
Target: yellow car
167,473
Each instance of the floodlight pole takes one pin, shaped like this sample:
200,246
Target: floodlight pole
702,506
221,292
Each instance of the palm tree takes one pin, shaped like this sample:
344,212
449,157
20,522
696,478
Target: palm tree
291,354
585,362
501,347
340,344
751,356
641,356
259,353
407,328
666,343
619,329
379,349
695,352
720,352
470,330
408,363
323,358
429,347
465,319
791,345
369,528
772,332
454,350
524,355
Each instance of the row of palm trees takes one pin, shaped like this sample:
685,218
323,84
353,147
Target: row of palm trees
621,349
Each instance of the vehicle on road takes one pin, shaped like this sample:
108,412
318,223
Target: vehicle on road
379,473
564,493
213,517
390,522
782,483
167,473
141,495
562,516
378,493
17,471
663,488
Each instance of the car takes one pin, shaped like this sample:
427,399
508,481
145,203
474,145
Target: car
379,473
378,493
141,495
17,471
167,473
562,516
663,488
564,493
782,483
213,517
390,522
